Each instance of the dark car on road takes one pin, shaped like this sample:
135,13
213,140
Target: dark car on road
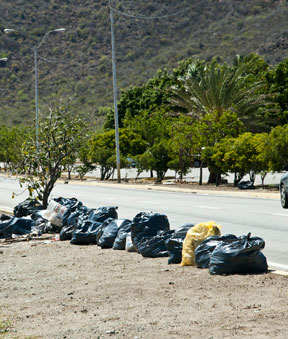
284,188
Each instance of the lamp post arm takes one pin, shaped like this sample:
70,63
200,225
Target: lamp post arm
45,35
43,39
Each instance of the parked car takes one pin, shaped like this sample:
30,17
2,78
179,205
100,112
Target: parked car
284,188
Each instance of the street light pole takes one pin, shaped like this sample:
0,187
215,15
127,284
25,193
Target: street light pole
36,98
35,49
115,97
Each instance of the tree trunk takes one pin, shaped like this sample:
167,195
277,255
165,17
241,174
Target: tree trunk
69,173
262,179
160,176
201,174
214,176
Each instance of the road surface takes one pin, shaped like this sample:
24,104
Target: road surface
237,215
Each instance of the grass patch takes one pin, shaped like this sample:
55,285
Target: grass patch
5,326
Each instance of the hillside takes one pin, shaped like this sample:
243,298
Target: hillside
80,58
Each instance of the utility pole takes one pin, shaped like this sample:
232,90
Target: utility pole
35,49
115,97
36,98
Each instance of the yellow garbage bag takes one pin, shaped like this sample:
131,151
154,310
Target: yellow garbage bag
194,237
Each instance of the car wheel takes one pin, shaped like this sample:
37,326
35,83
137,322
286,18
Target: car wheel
284,197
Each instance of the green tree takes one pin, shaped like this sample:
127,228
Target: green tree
242,155
102,149
152,95
11,141
212,128
60,134
85,166
216,87
185,145
276,146
153,127
277,78
157,158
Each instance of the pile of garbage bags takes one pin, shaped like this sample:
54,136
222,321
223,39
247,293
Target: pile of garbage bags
149,234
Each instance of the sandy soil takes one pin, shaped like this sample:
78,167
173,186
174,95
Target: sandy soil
52,289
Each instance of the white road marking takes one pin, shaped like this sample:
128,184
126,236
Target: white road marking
281,214
150,202
210,207
276,265
111,199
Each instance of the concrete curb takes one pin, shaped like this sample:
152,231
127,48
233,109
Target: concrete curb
280,272
172,188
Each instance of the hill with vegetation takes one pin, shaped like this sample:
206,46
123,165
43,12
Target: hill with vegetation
149,35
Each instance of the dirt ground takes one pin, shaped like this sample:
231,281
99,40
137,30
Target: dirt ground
52,289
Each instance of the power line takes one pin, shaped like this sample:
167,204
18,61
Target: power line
50,60
151,17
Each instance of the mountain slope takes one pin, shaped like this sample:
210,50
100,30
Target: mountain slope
81,57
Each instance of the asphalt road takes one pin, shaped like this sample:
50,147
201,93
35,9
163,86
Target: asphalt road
237,215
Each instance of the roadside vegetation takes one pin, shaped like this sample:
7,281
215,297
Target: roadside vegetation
230,117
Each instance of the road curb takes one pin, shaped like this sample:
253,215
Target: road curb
6,210
172,188
280,272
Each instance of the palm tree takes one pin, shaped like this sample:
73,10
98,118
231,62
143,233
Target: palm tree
214,87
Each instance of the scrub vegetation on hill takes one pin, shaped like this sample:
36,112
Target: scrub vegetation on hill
80,59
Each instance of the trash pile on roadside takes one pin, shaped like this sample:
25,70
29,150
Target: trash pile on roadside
149,234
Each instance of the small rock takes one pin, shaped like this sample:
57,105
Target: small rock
110,332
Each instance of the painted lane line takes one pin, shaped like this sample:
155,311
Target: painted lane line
280,214
150,202
210,207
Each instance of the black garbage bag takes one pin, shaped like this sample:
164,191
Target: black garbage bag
66,232
242,256
39,214
147,225
18,226
102,229
207,246
42,226
124,230
246,185
86,234
154,247
175,244
67,202
5,217
110,232
74,208
27,207
102,213
74,217
81,218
